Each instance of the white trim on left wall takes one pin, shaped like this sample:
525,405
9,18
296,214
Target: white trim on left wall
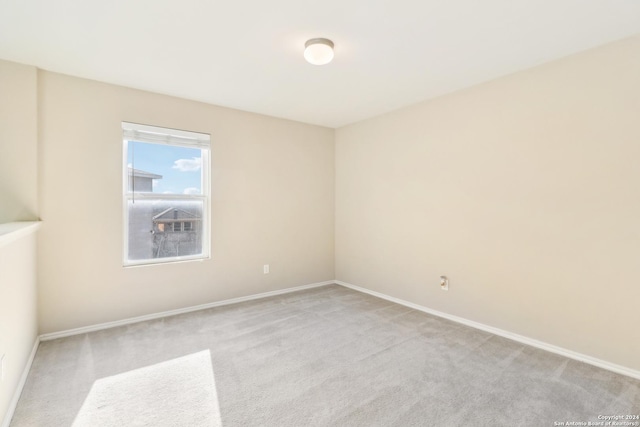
23,380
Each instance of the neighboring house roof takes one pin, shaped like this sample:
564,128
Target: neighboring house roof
143,174
173,214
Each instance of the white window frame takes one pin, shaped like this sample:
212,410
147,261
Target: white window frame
165,136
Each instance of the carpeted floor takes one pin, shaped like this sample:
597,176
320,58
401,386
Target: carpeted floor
327,356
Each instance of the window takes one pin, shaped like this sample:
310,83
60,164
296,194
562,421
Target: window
166,195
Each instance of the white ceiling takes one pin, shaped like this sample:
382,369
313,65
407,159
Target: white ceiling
247,54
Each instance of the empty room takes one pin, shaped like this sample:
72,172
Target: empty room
338,213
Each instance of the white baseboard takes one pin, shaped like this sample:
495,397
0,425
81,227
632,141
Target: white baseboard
107,325
510,335
18,391
496,331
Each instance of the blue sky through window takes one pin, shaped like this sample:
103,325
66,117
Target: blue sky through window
180,167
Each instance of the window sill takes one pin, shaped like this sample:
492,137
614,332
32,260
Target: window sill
164,261
12,231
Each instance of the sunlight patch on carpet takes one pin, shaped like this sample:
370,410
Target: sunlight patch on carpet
179,392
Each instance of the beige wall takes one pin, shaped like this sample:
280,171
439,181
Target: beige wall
272,203
18,201
524,191
18,142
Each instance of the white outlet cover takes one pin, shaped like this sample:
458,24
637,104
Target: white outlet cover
265,269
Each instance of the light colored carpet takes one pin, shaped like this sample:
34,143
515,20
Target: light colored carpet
179,392
331,356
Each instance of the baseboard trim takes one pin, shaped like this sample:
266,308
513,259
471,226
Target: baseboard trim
23,380
506,334
493,330
114,324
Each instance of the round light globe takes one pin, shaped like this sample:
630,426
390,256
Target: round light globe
318,51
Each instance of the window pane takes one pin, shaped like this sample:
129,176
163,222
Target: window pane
156,231
164,169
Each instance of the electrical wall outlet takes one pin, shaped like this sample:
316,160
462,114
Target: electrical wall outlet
444,283
265,269
2,368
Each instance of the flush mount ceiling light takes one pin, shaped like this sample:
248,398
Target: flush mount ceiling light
318,51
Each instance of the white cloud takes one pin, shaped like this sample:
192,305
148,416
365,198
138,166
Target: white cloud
167,192
191,190
188,165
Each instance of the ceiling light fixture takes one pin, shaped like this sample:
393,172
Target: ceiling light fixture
318,51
